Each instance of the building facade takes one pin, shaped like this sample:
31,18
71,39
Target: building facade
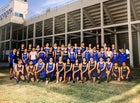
91,21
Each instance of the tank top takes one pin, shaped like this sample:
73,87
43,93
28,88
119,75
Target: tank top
19,68
60,66
68,67
84,66
76,67
108,66
50,66
31,69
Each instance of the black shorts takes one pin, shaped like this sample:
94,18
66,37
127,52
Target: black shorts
11,65
31,76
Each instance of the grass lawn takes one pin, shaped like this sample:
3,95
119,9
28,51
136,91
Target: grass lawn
113,92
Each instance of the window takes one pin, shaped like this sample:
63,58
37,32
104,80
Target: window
18,14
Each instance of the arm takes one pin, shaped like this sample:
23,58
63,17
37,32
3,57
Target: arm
42,68
63,66
56,67
128,68
104,67
86,68
47,68
94,67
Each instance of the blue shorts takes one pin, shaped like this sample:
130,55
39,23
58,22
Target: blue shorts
77,75
72,61
85,75
103,74
68,74
42,74
34,62
94,74
26,62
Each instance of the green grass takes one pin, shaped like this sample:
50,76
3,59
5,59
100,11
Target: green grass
113,92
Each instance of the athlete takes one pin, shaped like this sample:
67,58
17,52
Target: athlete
40,72
37,48
25,57
98,47
29,48
50,54
42,54
92,71
21,49
86,54
30,72
102,54
125,72
109,65
75,48
19,69
115,56
69,48
101,68
67,71
50,69
72,56
122,57
94,54
55,47
62,48
82,47
11,61
113,47
59,70
46,48
79,56
65,55
33,56
84,69
109,53
57,54
76,71
116,72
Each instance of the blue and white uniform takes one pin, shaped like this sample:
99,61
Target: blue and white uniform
77,74
115,58
60,66
42,74
75,49
108,66
72,57
87,55
46,49
65,57
50,55
82,49
42,55
58,54
94,72
25,58
84,66
50,68
68,67
33,57
79,57
102,55
103,73
95,56
122,58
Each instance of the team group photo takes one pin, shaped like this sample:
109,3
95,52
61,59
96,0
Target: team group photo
69,51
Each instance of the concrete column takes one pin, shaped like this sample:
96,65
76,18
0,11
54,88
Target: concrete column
82,37
130,33
53,37
102,23
42,33
4,53
10,43
66,29
34,33
97,37
138,36
27,36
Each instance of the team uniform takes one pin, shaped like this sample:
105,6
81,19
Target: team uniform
122,58
37,50
11,56
124,72
79,57
108,66
42,55
33,57
84,66
75,50
31,70
102,55
50,55
82,49
60,66
77,74
87,55
68,67
72,57
95,56
41,74
55,49
57,55
20,69
46,49
115,58
94,72
25,58
100,67
50,68
65,57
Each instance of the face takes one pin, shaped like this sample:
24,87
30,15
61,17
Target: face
25,50
17,52
124,64
90,45
101,59
42,49
14,51
79,50
37,46
94,48
20,62
71,49
122,50
104,44
91,59
116,64
102,49
30,45
108,48
68,60
86,48
69,45
40,60
108,59
55,45
51,60
97,45
22,45
33,49
30,63
47,44
75,45
113,46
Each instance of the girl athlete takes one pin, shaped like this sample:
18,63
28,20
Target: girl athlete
42,54
67,71
25,56
72,56
59,70
79,56
65,55
116,72
86,54
92,71
109,65
57,54
94,54
33,56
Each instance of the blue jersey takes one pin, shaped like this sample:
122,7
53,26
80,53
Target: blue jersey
42,55
11,56
55,49
69,49
95,56
60,66
122,58
40,66
84,66
115,57
82,49
25,56
65,56
102,55
37,50
79,57
62,49
46,49
72,56
108,66
68,67
50,67
50,55
58,54
101,66
42,74
92,65
75,50
87,56
76,67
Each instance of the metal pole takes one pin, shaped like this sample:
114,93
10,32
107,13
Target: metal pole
27,36
130,33
34,33
66,29
82,37
97,37
53,37
43,33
